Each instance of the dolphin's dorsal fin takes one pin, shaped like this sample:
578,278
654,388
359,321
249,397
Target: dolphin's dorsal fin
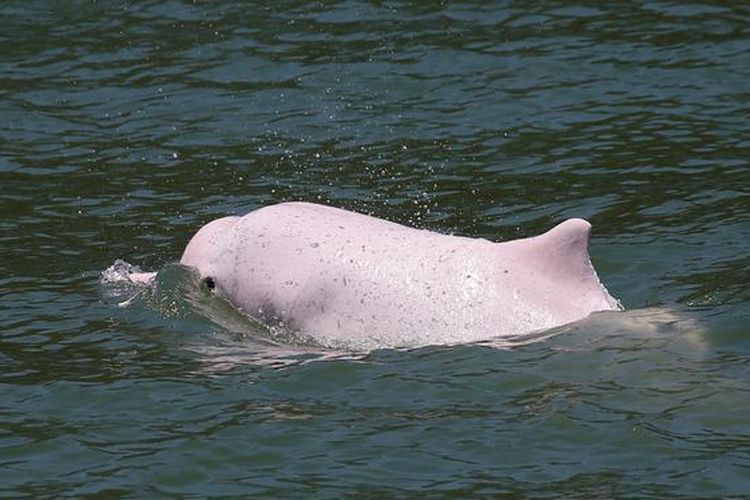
558,271
562,254
569,235
563,250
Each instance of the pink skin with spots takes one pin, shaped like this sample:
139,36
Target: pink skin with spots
350,279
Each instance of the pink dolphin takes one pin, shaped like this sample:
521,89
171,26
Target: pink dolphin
345,278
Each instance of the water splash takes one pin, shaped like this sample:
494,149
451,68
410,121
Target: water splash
119,272
118,285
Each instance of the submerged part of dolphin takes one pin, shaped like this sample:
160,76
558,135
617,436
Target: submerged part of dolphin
348,279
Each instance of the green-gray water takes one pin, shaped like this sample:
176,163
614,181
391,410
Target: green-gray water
124,126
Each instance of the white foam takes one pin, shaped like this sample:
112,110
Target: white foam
119,272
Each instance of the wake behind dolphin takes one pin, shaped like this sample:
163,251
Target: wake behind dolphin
347,279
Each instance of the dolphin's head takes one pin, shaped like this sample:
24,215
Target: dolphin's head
208,250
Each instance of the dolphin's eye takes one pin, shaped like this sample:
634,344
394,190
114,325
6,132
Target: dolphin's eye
210,283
